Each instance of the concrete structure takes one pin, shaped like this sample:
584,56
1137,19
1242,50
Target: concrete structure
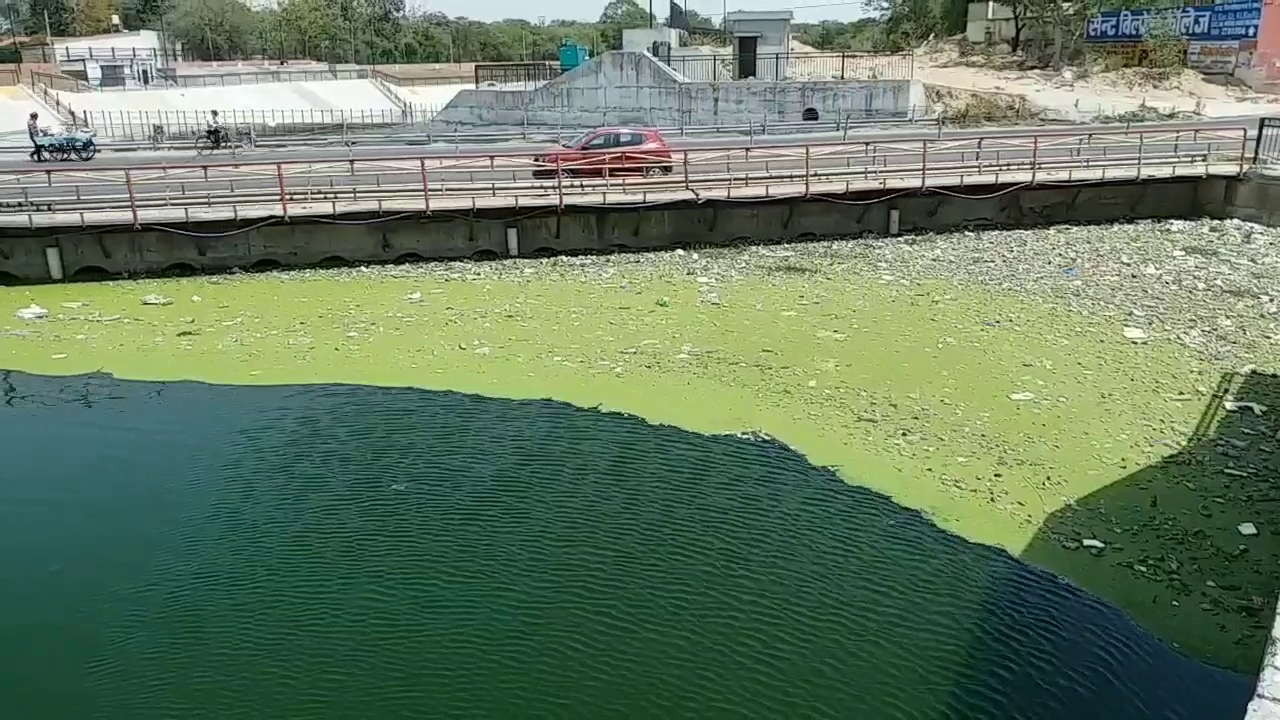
759,39
652,39
989,22
297,104
484,234
432,98
628,88
118,60
332,95
16,103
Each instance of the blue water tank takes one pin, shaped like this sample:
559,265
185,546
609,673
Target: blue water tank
572,55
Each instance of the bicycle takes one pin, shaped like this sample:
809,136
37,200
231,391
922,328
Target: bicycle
209,142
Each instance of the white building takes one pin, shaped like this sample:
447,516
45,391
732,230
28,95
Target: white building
761,43
123,59
989,22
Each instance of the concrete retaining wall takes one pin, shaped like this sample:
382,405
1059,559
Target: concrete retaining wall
22,255
632,88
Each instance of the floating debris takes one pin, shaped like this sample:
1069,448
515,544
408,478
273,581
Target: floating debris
32,312
1233,406
1247,529
156,300
1136,335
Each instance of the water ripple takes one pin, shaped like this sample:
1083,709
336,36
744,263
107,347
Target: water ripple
248,552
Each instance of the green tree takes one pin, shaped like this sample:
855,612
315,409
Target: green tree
621,15
312,24
57,11
625,14
143,14
215,29
93,17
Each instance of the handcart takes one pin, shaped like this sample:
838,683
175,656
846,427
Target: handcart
73,143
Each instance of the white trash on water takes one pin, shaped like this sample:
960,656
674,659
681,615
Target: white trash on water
32,312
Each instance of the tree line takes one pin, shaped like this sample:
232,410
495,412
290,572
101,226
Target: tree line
381,32
340,31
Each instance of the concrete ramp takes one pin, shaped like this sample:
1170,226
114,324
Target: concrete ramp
16,103
634,88
329,101
431,98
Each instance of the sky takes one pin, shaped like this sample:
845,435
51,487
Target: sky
488,10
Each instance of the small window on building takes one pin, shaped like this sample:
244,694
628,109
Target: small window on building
809,115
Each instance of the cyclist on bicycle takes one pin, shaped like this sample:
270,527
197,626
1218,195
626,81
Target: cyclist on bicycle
213,129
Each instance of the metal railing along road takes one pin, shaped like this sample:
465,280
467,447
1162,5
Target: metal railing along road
282,133
140,125
1266,149
151,194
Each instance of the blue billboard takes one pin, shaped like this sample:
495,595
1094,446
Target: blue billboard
1225,20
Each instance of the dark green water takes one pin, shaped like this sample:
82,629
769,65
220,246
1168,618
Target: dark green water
184,550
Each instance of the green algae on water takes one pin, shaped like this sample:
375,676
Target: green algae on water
999,417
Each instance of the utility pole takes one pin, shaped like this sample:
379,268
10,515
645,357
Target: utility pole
351,29
164,39
13,28
650,14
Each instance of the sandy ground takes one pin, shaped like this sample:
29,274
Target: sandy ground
1083,95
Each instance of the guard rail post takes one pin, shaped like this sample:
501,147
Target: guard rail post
426,192
559,185
807,167
1257,144
924,164
1141,142
133,201
684,164
284,199
1244,146
1035,158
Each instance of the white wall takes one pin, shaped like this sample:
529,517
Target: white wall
621,88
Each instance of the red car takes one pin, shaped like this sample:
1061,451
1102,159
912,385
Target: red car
608,151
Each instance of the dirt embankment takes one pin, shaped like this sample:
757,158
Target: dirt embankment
963,106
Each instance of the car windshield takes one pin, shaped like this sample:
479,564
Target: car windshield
577,141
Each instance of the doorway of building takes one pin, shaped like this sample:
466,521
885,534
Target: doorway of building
747,57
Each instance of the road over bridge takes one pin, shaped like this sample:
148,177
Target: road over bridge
382,181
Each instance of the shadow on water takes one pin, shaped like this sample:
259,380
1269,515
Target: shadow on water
1174,550
182,549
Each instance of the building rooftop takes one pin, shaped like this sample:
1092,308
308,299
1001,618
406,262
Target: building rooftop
759,15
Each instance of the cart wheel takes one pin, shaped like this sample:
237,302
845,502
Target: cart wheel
59,152
85,150
204,145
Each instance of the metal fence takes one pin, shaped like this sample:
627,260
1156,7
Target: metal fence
526,73
141,125
9,76
167,76
170,78
1266,148
70,53
792,66
402,81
